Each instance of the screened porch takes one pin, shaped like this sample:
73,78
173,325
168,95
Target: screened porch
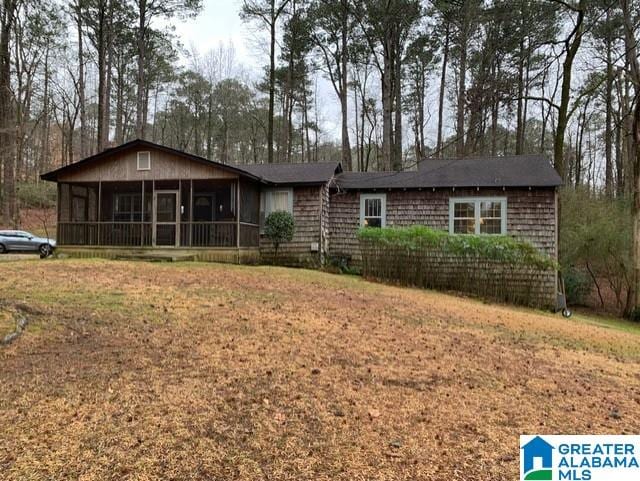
159,213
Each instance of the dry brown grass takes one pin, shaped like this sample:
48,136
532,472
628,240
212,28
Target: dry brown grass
137,371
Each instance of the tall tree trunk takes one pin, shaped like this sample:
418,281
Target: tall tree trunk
572,45
387,106
141,84
46,120
356,116
210,125
120,71
306,125
84,147
443,79
102,47
634,67
608,131
462,91
520,107
272,81
620,173
397,87
347,160
7,127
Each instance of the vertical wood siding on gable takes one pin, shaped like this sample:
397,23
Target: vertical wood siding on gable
123,166
306,215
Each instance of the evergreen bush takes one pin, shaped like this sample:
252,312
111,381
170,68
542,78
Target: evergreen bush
279,228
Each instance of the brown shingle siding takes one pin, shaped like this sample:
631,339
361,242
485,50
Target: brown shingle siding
306,215
530,214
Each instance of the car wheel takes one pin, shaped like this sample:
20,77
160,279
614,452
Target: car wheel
3,249
566,312
45,251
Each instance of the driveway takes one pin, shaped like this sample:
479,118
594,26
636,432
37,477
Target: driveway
18,257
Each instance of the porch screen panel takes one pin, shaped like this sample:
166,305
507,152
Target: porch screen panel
249,203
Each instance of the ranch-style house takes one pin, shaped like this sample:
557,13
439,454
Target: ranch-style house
147,197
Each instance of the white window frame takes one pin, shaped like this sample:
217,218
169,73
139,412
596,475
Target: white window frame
148,158
383,210
477,211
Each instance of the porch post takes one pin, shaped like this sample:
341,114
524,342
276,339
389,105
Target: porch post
191,212
153,213
179,214
99,239
59,209
142,217
238,216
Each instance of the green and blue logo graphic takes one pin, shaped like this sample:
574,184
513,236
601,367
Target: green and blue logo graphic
537,460
580,458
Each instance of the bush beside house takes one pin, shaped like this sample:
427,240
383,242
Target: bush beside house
493,267
279,228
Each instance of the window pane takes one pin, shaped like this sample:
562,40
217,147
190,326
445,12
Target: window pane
490,209
373,207
464,209
279,201
490,226
464,226
373,222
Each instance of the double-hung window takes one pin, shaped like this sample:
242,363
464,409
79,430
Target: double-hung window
373,210
274,200
478,215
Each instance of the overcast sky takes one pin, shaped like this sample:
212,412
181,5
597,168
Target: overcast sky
219,22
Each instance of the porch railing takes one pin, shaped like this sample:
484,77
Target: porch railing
208,234
140,234
249,234
105,233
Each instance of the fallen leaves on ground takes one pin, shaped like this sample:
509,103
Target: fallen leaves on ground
143,371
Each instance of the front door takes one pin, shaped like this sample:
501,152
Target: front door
165,218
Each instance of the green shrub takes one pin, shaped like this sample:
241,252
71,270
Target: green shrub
577,285
634,315
279,228
596,238
491,267
495,248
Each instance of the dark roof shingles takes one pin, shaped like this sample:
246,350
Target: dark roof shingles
283,173
508,171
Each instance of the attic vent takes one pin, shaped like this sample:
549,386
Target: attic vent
144,161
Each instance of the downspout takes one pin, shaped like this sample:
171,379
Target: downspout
324,233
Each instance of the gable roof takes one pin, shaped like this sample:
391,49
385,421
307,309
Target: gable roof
312,173
53,175
507,171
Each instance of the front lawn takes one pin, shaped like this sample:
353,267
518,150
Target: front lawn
188,371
